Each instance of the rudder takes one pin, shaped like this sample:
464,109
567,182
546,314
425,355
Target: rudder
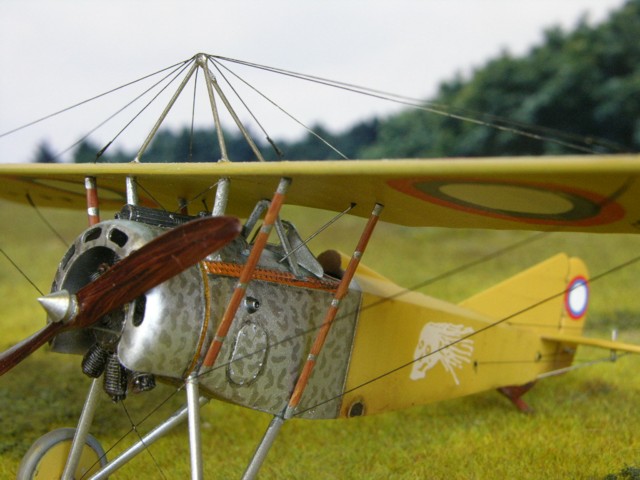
551,297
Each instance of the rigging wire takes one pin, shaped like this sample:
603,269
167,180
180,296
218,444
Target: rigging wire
47,222
439,109
134,428
179,70
22,272
429,281
454,271
532,238
306,127
202,194
451,272
135,425
46,117
176,76
595,278
509,248
271,142
151,196
318,231
51,228
585,144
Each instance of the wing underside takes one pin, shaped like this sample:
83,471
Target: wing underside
581,193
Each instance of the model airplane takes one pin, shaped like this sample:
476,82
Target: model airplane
193,298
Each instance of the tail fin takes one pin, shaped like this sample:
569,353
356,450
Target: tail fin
551,297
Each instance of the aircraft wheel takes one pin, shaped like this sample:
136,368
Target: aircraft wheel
48,455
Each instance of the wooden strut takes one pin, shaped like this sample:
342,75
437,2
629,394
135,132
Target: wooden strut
330,316
247,272
93,208
278,420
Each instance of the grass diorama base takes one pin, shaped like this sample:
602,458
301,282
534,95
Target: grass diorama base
585,422
587,414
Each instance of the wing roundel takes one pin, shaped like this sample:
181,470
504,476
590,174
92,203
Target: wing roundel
580,193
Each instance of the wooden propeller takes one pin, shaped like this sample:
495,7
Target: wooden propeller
157,261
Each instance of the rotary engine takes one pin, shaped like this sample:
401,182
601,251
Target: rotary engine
158,334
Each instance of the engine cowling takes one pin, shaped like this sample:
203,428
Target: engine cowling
160,332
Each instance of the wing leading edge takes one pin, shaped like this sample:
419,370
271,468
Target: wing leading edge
573,193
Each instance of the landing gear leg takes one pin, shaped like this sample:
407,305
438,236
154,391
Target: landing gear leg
66,453
265,445
193,405
82,431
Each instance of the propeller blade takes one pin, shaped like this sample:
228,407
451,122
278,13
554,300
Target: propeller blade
13,356
154,263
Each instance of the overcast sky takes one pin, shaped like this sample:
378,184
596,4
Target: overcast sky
57,53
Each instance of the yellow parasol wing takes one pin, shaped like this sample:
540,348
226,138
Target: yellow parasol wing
598,193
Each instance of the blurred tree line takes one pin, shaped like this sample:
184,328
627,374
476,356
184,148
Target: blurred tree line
576,91
581,88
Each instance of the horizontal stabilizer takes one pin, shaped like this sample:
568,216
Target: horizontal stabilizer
593,342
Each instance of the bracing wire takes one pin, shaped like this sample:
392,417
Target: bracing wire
469,116
539,133
318,231
95,97
180,69
535,132
44,220
493,255
151,196
456,270
600,276
21,271
239,97
306,127
51,228
134,428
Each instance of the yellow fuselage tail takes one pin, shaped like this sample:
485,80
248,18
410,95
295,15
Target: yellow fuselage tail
412,349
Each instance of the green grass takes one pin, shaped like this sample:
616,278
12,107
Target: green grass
585,426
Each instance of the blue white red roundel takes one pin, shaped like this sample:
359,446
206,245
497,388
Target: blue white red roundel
576,297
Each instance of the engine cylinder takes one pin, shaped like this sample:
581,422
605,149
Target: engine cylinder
160,332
